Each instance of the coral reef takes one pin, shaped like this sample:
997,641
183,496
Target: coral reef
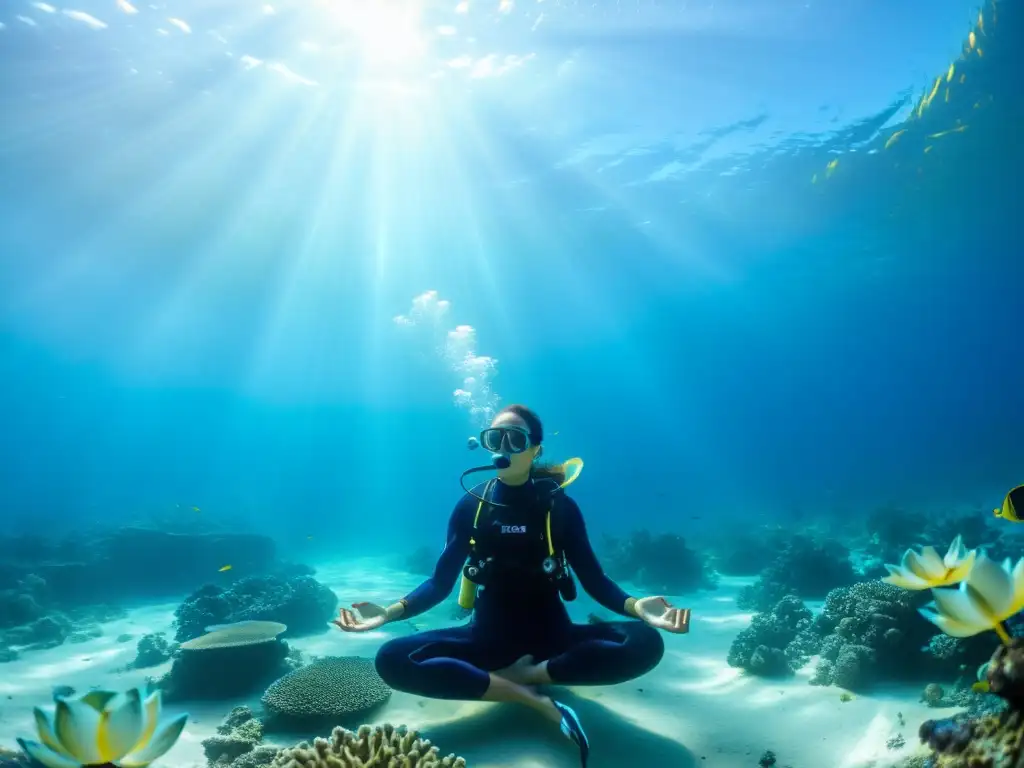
747,553
12,759
989,740
152,650
233,660
331,689
866,631
87,568
873,629
301,602
238,735
661,564
777,642
24,602
804,567
380,747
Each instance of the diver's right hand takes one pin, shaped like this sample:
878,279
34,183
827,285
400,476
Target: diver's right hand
370,616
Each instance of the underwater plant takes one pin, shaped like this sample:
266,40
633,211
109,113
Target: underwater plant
926,570
990,595
102,729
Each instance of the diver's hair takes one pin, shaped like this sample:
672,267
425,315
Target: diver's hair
535,427
533,423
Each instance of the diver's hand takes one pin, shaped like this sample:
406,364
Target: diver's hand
370,616
659,613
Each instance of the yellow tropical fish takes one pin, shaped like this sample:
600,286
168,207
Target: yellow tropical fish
940,134
1014,500
196,509
224,568
926,570
949,74
892,139
972,40
981,686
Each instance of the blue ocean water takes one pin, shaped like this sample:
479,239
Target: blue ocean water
212,213
266,267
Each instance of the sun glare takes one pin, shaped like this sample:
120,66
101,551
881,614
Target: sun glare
387,31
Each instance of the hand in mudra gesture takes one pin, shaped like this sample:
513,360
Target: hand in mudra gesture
660,614
365,617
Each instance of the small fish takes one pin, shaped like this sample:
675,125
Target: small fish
949,73
980,687
845,697
224,568
1014,500
972,40
893,139
309,538
940,134
196,509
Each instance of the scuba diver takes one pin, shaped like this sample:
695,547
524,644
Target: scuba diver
517,540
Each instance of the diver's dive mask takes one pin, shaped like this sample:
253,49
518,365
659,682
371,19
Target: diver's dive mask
505,442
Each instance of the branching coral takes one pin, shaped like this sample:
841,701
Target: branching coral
381,747
777,642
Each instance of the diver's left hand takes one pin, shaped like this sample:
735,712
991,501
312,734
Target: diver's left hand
659,613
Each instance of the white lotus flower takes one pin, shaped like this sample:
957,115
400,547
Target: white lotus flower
926,570
989,595
102,728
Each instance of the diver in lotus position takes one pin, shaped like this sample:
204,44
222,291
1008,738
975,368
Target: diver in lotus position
521,535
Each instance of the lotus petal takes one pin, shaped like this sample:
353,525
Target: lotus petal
920,565
164,738
932,562
901,577
956,553
45,730
1017,578
75,724
151,709
960,606
950,626
46,756
120,726
962,570
98,699
992,588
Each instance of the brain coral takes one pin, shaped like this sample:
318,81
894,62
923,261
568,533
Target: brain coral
380,747
333,687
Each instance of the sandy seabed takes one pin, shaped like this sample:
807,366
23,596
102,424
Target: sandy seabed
693,710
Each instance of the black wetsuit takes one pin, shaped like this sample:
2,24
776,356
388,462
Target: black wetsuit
520,611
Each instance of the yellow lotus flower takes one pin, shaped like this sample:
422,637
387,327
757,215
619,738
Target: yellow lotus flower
103,728
989,595
927,570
